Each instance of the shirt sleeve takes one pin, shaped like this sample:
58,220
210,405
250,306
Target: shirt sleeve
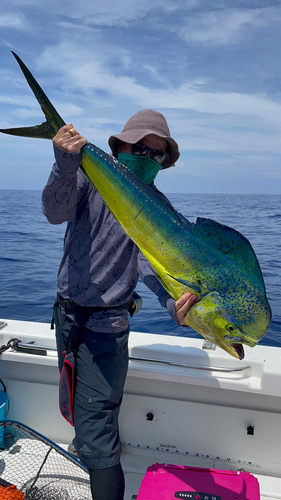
59,197
149,279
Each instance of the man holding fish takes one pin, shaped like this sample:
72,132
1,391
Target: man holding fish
96,282
227,302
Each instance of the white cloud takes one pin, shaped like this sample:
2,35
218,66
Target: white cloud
68,110
110,12
12,20
77,27
222,140
17,101
219,103
82,72
100,62
227,26
105,13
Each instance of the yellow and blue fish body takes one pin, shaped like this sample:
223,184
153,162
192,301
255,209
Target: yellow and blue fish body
206,258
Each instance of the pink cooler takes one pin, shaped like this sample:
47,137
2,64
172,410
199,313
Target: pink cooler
167,482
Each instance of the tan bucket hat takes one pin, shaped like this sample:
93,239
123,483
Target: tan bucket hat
141,124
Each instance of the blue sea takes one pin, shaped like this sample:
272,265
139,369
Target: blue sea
31,250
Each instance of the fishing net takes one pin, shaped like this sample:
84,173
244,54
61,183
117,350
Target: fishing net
39,468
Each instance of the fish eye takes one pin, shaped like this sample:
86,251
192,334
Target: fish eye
230,328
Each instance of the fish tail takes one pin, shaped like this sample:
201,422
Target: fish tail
53,123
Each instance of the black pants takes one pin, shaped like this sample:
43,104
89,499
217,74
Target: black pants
101,367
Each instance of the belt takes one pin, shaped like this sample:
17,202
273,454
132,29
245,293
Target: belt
72,308
81,311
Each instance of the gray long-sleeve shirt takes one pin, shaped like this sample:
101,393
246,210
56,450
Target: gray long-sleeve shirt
101,264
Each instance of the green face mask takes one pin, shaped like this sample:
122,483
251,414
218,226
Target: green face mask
143,166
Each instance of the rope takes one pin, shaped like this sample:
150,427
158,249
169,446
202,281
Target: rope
10,344
274,281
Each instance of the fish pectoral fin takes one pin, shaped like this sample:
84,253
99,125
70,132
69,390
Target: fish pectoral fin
158,278
189,284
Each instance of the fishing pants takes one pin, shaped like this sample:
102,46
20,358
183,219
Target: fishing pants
101,368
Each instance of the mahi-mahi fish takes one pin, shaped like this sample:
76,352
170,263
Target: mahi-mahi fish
206,258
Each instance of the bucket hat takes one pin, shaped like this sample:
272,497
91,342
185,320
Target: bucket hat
145,122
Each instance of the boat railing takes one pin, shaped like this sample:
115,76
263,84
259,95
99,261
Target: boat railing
194,366
42,350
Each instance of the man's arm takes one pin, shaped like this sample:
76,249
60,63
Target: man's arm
59,198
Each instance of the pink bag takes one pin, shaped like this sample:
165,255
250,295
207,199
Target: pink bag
189,483
67,387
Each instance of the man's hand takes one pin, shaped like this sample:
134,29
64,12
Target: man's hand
183,305
68,139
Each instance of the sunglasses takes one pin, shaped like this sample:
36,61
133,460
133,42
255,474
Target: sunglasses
161,157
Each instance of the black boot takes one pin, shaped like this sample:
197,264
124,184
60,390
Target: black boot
107,484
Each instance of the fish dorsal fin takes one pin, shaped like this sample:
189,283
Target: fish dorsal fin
232,245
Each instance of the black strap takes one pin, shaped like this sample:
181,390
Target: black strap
5,484
72,308
80,319
4,387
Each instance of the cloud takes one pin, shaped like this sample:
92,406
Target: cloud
12,20
105,13
69,110
110,12
234,103
101,62
88,75
76,26
16,101
229,141
84,72
229,26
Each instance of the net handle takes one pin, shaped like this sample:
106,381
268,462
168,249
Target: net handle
8,402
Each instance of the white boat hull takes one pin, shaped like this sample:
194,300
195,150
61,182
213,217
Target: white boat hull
188,406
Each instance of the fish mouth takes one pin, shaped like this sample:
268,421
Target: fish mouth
239,349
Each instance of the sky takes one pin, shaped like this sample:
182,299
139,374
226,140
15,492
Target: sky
212,67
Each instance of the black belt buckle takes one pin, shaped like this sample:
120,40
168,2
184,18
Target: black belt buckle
69,307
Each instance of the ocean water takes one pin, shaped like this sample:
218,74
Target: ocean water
31,250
